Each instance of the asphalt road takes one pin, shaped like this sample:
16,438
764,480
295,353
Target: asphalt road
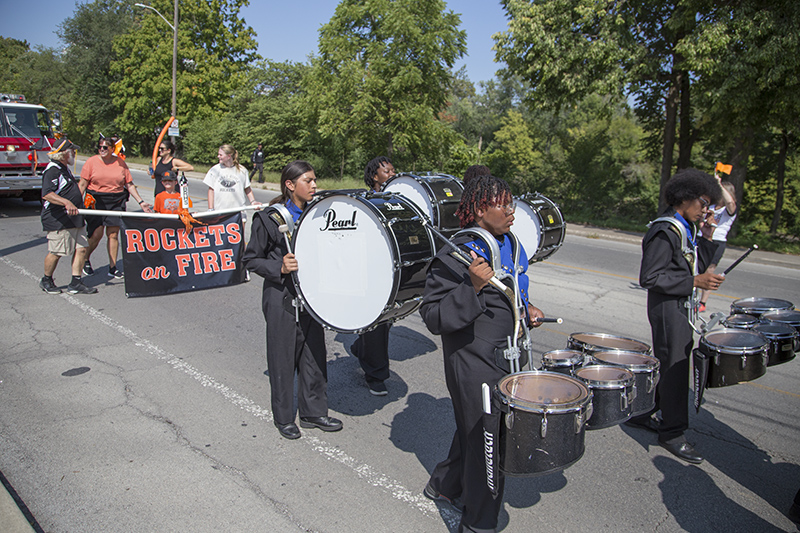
152,414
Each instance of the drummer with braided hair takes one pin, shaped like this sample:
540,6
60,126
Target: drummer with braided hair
372,347
474,319
295,341
668,250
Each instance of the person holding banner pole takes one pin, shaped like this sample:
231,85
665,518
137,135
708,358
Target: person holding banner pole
168,165
721,217
295,341
229,184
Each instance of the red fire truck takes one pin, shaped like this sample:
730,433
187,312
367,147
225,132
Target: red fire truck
27,134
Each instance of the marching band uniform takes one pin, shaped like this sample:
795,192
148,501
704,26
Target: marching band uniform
292,345
472,326
669,279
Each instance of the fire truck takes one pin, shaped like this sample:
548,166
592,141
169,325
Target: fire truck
27,134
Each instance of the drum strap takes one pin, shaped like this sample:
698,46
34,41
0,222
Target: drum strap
687,248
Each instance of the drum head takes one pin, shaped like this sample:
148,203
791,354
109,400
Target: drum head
634,360
604,374
535,391
740,321
563,357
734,340
759,306
414,191
785,316
775,330
605,341
346,258
527,227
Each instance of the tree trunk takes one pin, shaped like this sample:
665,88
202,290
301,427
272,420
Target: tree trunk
739,156
685,138
780,174
671,113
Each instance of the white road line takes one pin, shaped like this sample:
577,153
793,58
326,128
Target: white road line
375,478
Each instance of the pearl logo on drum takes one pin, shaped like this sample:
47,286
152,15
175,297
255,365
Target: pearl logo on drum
334,224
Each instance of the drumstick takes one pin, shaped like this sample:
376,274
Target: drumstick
284,228
551,320
754,247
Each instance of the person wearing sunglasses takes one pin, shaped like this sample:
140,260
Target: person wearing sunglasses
168,165
108,182
669,250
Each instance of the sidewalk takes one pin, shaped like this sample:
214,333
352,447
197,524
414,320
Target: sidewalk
11,518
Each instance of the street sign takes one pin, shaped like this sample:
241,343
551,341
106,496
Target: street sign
173,129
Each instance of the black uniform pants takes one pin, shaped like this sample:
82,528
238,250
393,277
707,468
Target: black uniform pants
372,350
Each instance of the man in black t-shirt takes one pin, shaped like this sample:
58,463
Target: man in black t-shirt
62,196
258,163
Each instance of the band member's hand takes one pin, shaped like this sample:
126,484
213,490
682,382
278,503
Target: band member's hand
708,281
479,272
289,264
147,208
533,314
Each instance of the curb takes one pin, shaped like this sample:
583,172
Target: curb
12,520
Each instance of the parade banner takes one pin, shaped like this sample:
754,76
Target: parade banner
161,257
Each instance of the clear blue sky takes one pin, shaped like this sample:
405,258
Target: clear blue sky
287,30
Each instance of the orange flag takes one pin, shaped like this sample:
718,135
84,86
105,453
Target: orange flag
723,168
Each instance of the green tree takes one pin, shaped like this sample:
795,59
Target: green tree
11,52
383,75
89,35
215,48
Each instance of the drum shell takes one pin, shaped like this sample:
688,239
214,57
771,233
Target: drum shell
613,392
646,372
523,450
549,222
562,361
440,194
734,363
590,343
740,321
758,306
783,340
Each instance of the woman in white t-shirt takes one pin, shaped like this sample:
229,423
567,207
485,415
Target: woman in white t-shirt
722,216
229,184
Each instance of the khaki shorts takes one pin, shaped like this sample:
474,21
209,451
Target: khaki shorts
64,241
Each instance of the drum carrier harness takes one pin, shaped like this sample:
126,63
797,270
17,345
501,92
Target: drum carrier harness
283,218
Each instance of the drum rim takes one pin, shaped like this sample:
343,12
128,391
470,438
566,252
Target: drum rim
789,333
542,252
580,356
607,384
653,364
761,310
730,350
424,181
571,338
579,404
361,196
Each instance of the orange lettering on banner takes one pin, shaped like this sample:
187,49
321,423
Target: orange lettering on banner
201,238
234,233
226,260
183,261
210,263
217,231
167,242
133,238
151,240
184,242
197,267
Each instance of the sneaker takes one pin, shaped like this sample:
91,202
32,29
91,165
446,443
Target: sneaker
377,388
48,286
437,496
87,269
702,308
80,288
114,272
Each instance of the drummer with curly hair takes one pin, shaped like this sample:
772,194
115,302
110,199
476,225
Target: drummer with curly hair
669,249
475,319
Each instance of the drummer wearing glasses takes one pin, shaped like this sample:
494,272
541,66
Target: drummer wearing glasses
668,275
474,319
372,348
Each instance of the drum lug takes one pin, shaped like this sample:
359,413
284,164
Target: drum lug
744,361
510,419
543,429
652,381
623,400
634,394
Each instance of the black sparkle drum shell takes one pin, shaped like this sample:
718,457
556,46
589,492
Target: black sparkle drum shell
590,343
437,196
562,361
613,392
759,306
539,226
646,371
782,341
543,424
736,356
740,321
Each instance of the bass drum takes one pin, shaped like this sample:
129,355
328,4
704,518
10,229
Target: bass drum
539,226
437,196
543,424
362,258
735,356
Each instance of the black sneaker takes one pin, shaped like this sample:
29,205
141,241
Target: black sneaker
115,273
377,388
87,269
80,288
48,286
433,494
